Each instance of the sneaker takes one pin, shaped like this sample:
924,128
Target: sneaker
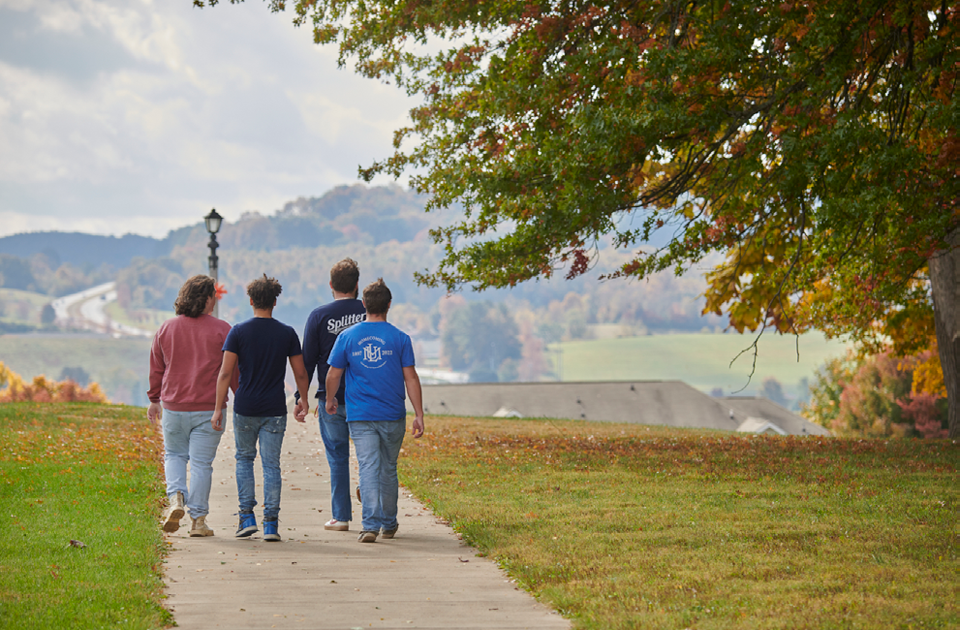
337,526
367,536
270,531
248,525
198,527
389,533
171,519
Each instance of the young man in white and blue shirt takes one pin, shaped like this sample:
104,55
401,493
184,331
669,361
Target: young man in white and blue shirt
376,358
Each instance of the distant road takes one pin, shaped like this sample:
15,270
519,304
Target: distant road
85,309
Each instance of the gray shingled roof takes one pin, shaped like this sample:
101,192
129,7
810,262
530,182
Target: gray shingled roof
670,403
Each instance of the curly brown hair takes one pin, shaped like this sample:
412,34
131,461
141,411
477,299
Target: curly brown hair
193,296
344,276
377,297
264,291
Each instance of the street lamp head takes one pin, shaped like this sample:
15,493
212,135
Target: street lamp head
213,221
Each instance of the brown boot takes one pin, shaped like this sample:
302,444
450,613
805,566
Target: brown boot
171,518
198,527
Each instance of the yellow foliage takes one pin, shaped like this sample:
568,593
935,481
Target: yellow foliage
928,375
43,390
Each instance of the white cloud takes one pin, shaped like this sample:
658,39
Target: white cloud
145,114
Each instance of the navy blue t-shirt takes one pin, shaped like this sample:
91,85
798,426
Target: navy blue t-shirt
323,326
262,345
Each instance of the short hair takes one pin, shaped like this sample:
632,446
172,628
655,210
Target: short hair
264,291
193,296
344,276
377,297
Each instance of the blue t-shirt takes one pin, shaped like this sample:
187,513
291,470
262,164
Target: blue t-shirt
373,355
323,326
262,345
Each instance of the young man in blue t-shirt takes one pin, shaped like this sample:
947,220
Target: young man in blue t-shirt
321,331
377,359
261,347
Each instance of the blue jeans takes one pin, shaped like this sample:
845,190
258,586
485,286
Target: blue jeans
378,446
269,431
188,436
336,443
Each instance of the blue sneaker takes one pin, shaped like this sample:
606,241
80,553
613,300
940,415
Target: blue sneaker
270,531
248,525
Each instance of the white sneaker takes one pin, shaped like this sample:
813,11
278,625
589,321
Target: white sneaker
337,526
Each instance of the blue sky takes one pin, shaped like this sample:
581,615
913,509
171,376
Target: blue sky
138,116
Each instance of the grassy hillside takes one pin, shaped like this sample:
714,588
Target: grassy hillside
701,360
120,366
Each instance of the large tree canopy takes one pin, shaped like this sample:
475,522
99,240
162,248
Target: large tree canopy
813,142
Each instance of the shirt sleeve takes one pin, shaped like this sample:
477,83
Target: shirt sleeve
311,349
294,347
338,356
232,343
406,351
158,367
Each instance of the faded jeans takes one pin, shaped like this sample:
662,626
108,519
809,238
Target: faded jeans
378,447
268,430
188,436
336,443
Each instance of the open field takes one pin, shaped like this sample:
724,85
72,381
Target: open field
701,360
120,366
79,542
625,526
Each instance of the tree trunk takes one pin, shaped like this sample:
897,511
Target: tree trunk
945,286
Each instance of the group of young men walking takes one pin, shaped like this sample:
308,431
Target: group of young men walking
364,367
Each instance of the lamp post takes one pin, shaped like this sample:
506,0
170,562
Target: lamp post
213,221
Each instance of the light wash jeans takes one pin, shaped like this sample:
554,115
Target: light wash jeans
378,446
268,430
336,443
188,436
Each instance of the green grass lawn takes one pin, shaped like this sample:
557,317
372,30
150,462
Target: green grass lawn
87,473
626,526
701,360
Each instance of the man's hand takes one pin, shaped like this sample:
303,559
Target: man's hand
154,412
217,420
300,413
331,405
417,426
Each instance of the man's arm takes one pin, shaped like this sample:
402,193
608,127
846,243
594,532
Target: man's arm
412,380
311,348
158,368
332,384
223,384
300,375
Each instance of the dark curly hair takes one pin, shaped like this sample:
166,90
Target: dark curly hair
264,291
377,297
193,296
344,276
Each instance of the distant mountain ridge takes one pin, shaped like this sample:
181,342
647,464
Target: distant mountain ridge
83,250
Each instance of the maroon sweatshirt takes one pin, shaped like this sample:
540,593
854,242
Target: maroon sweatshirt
185,361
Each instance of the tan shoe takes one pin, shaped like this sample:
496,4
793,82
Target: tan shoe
198,527
171,518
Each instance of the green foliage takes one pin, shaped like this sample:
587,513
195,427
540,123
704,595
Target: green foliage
625,526
478,337
86,473
814,144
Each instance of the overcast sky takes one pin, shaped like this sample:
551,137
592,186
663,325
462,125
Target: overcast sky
138,116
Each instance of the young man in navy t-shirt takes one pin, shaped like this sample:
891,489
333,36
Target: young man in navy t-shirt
321,331
261,347
377,360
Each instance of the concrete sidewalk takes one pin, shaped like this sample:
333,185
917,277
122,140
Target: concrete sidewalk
424,578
